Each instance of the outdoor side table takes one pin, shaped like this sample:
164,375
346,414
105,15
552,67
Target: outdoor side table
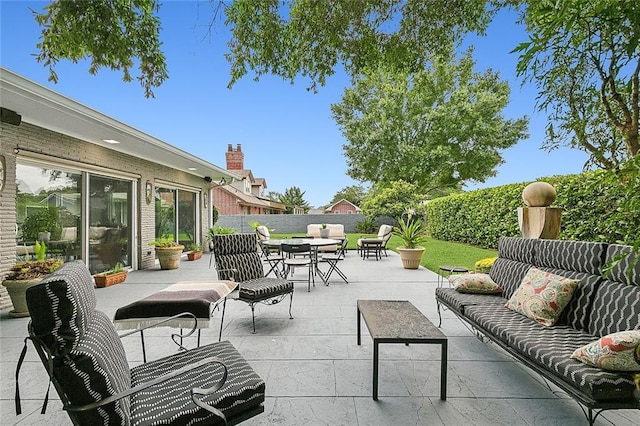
369,246
448,269
398,321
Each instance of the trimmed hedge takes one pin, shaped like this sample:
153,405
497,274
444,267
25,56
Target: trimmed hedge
590,203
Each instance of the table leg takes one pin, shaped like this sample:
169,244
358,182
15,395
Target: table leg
443,372
358,326
375,370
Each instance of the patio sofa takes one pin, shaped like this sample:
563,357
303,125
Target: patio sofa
601,304
336,230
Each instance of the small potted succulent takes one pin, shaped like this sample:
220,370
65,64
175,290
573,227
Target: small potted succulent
195,251
412,232
26,274
324,231
113,276
168,251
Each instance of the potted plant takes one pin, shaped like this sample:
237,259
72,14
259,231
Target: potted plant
412,232
324,231
26,274
113,276
168,251
195,251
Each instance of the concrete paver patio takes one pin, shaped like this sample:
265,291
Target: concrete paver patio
314,371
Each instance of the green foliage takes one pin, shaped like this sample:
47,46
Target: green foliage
354,194
312,38
437,127
216,214
411,231
583,57
366,226
220,230
33,269
113,35
119,267
392,199
483,265
194,247
40,251
293,197
164,241
44,219
596,206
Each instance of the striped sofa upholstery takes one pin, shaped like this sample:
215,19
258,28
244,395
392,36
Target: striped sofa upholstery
89,363
602,304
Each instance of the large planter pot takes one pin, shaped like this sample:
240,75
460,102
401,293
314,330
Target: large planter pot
17,290
410,257
103,280
169,257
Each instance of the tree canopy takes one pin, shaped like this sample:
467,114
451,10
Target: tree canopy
434,128
292,197
584,56
393,199
354,194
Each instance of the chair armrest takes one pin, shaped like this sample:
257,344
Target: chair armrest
235,272
194,391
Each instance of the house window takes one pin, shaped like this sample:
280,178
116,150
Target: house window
176,214
51,207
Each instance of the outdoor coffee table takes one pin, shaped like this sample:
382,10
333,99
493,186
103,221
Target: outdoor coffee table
398,321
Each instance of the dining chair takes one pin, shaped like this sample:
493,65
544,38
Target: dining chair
293,259
237,259
333,259
270,254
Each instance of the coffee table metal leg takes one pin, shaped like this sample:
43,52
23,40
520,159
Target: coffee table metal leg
375,371
358,327
443,371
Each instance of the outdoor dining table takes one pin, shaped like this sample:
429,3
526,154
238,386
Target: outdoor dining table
313,242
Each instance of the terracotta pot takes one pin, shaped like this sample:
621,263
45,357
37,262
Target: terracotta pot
17,290
103,280
169,257
410,257
194,255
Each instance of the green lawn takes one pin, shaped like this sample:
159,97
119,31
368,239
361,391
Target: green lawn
436,252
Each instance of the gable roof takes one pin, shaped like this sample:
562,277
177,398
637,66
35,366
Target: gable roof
340,201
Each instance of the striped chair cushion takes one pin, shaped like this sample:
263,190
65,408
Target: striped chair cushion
242,391
264,288
578,310
621,272
579,256
61,306
520,249
99,356
616,307
458,301
551,348
508,274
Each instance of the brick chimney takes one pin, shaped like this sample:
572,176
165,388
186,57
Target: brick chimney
235,158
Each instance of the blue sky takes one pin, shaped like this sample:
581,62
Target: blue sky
287,133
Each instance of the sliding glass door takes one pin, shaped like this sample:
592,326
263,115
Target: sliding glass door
176,214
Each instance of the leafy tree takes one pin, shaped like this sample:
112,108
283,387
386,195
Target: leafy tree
584,58
354,194
111,33
434,128
392,199
293,197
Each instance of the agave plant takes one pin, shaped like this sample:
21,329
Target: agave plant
411,231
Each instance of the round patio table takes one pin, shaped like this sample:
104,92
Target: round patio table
313,242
